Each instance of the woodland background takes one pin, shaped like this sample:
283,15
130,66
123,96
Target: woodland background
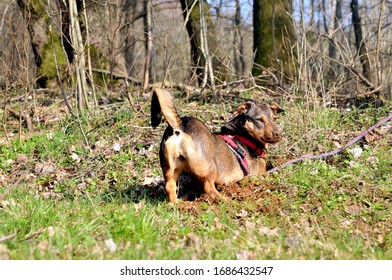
325,48
79,164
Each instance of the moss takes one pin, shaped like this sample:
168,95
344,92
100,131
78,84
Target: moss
273,40
99,61
37,8
47,70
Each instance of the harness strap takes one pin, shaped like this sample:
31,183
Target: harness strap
239,152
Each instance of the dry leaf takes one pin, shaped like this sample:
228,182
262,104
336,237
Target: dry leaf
356,152
245,255
353,210
269,232
242,214
116,147
4,252
99,145
293,241
110,245
218,224
336,144
139,205
148,181
50,231
192,240
372,160
44,169
250,225
74,156
129,167
22,158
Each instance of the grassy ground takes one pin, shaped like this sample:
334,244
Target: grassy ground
100,196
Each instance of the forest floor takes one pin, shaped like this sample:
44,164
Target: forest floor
92,188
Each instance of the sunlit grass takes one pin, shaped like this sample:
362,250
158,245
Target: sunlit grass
337,208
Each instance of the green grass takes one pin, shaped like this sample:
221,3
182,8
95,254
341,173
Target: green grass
337,208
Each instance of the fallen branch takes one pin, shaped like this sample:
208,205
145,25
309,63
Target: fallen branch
10,189
369,93
117,76
26,117
5,238
334,152
361,77
235,83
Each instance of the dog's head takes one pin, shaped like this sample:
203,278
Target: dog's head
255,121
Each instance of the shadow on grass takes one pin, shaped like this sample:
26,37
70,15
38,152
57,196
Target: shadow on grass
188,190
135,193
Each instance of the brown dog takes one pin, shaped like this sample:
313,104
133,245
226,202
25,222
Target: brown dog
188,145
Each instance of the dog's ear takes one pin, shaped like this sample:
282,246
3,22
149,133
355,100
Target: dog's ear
243,108
276,108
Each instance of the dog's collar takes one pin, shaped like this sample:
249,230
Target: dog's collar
261,152
240,153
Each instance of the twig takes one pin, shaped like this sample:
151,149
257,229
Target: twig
21,116
117,76
361,77
5,238
4,121
34,234
369,93
10,189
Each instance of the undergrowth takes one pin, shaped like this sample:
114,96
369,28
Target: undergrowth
67,196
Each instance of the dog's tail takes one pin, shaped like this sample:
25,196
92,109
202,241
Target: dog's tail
162,104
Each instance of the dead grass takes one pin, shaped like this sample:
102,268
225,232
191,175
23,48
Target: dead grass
68,198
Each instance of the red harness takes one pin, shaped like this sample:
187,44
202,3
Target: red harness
239,152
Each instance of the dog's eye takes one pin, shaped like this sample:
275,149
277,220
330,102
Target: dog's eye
260,120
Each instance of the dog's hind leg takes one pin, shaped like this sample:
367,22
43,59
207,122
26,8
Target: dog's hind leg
171,177
172,164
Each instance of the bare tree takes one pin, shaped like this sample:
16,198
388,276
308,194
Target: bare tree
272,36
148,35
238,42
359,42
193,26
79,55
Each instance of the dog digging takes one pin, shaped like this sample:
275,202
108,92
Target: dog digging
240,149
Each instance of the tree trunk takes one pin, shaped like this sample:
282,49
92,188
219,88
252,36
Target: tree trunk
238,42
336,20
35,25
273,33
129,9
149,62
193,27
208,70
80,60
359,43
